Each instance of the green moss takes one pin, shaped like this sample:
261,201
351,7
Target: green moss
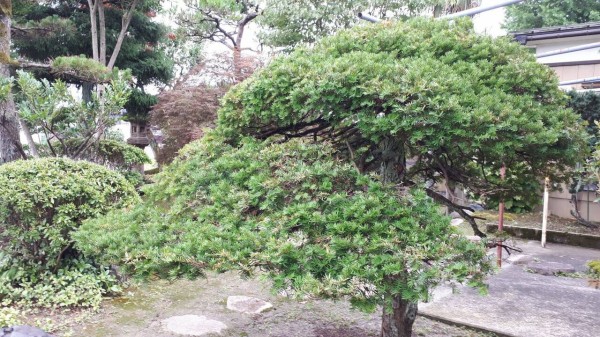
594,268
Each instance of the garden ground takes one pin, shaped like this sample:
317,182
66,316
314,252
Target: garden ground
142,310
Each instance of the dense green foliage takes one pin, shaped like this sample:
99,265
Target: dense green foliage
71,127
546,13
291,22
594,268
288,23
116,154
82,67
54,30
587,105
314,224
458,103
9,316
41,203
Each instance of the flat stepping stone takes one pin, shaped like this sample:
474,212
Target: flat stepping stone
193,325
23,331
456,222
550,268
248,305
520,259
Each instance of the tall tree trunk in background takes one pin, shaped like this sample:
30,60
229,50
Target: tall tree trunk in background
398,321
10,146
102,32
237,48
125,21
93,5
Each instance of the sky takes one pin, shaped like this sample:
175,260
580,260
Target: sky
490,22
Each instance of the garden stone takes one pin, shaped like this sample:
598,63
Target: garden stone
193,325
521,259
23,331
550,268
456,222
248,305
477,207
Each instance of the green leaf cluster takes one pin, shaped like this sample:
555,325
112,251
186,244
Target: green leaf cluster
545,13
85,68
594,268
587,105
77,284
10,316
288,23
5,88
460,104
70,126
43,201
56,30
309,221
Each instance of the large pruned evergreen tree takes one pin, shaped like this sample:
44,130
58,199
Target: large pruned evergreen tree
418,103
458,105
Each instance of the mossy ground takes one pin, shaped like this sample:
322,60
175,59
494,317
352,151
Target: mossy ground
141,310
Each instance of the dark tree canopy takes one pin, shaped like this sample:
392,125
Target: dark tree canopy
546,13
587,105
46,31
456,103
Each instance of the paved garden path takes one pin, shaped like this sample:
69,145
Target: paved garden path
522,303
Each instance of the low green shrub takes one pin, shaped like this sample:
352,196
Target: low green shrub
42,202
594,268
77,284
9,316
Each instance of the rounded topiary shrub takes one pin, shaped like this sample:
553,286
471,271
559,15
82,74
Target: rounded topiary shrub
42,201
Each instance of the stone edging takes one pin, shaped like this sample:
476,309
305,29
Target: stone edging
471,326
573,239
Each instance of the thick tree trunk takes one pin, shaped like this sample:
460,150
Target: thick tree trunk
86,91
9,121
398,322
393,160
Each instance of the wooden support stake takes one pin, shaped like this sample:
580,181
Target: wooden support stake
545,212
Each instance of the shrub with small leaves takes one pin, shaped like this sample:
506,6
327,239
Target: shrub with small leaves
594,268
42,201
9,316
78,283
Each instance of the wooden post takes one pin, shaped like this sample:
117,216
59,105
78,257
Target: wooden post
545,212
500,220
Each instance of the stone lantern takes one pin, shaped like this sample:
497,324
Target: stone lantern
139,135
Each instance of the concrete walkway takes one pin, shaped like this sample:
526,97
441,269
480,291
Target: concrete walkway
521,303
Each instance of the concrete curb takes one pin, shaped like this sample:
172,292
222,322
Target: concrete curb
471,326
573,239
